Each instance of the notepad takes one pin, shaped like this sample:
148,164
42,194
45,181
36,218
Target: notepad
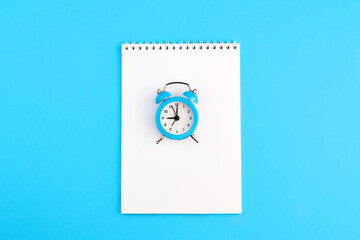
181,176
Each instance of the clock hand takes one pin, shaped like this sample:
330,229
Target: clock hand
170,118
173,109
173,122
177,109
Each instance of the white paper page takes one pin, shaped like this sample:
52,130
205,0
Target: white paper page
181,176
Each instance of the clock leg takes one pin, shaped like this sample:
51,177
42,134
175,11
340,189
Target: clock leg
193,137
161,138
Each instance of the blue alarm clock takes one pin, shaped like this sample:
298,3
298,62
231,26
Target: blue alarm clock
177,117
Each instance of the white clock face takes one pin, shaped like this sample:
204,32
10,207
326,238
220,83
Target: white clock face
177,118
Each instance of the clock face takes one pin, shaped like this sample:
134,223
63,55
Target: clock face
177,118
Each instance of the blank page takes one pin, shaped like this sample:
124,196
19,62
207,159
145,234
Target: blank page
181,176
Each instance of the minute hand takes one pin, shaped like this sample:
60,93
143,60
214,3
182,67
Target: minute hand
173,109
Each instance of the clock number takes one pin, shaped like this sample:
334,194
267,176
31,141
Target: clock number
165,111
188,111
190,118
183,129
183,106
176,131
164,124
188,124
162,117
170,130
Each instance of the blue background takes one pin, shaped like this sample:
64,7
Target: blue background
60,117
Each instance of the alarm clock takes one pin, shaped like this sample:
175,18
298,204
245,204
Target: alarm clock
177,117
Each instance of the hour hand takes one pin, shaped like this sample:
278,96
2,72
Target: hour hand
170,118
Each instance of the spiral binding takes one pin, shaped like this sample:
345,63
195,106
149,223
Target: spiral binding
180,46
